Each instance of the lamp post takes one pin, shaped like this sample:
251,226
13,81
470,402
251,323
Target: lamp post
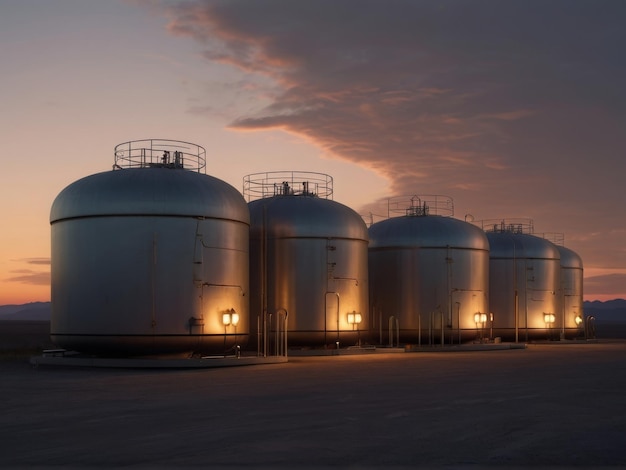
549,319
230,317
355,318
480,319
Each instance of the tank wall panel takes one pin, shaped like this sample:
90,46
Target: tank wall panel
317,286
148,275
532,285
412,283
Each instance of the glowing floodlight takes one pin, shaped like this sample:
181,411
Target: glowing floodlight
230,318
480,317
354,317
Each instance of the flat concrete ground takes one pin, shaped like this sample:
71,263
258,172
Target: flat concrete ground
547,405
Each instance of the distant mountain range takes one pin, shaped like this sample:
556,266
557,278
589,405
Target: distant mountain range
611,310
34,311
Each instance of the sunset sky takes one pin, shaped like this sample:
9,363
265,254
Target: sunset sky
515,109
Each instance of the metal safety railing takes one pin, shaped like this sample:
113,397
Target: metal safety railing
394,331
590,327
513,225
160,153
272,337
287,183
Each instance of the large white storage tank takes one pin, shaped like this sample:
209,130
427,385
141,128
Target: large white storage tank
308,260
150,258
524,282
429,273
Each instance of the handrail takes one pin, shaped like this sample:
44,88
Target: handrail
287,183
393,322
160,153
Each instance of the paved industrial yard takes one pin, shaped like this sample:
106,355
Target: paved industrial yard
549,404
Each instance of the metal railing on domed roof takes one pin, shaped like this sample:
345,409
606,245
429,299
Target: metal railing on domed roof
160,153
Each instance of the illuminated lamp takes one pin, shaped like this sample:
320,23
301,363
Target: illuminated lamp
230,318
480,317
354,317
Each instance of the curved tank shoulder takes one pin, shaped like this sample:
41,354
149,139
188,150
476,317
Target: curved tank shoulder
520,245
426,231
569,258
150,191
306,216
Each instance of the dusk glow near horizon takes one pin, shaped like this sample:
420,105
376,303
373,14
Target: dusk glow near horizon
514,109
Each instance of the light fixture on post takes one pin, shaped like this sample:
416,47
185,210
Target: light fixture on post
230,317
355,318
549,319
480,319
578,320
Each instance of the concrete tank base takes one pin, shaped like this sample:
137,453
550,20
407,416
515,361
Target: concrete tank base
59,359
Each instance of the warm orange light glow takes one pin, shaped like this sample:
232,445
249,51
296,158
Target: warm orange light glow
480,317
354,317
230,317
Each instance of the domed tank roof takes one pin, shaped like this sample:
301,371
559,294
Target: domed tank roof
299,204
569,258
150,191
426,231
306,216
507,244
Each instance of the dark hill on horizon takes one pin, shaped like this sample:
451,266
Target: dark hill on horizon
33,311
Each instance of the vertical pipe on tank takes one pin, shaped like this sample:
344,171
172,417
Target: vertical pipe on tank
449,262
264,278
458,319
526,297
516,295
153,281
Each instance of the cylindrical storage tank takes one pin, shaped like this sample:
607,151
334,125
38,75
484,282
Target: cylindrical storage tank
429,274
308,261
150,258
571,293
524,281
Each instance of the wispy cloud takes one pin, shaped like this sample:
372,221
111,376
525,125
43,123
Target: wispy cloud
510,107
37,261
610,284
27,276
30,276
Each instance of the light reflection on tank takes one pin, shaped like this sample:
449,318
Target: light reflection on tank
308,258
428,273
